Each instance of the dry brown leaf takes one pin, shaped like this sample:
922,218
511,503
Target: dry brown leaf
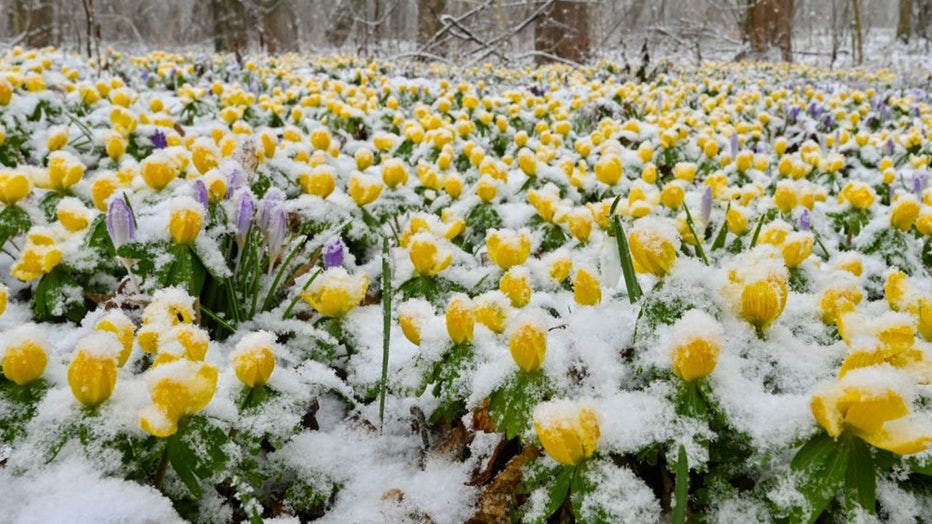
496,501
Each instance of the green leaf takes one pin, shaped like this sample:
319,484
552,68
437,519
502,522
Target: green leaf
822,463
720,238
627,264
681,491
49,205
183,459
861,478
559,489
511,406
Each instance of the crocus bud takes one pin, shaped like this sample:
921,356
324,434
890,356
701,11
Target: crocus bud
121,224
569,432
254,358
245,209
92,373
334,251
201,194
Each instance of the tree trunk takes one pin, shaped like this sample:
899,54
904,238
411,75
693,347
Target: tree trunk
230,25
563,31
903,26
34,20
279,33
428,19
769,25
340,22
858,36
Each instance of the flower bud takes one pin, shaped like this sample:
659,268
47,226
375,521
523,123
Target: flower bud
653,245
528,345
92,373
696,345
516,285
587,290
428,257
762,302
568,432
460,319
508,248
335,292
394,173
609,169
413,315
186,221
364,189
25,357
120,223
254,359
158,170
116,322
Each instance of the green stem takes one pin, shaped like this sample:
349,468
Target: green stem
386,324
627,264
161,470
297,296
692,229
281,270
217,319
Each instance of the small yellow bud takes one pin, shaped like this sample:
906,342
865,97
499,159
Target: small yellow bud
254,359
587,290
460,319
25,357
92,373
528,345
653,246
516,285
186,222
335,292
695,345
568,432
508,248
428,257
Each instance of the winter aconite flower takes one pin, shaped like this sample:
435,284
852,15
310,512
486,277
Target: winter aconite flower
696,345
65,170
873,409
528,345
587,289
13,187
904,212
569,432
508,248
413,315
92,373
516,285
177,389
428,255
858,194
320,181
254,358
186,221
158,170
116,322
653,245
40,255
25,354
4,296
460,319
364,189
335,292
762,302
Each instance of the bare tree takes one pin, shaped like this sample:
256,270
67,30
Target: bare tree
904,20
231,22
32,22
563,31
279,33
769,24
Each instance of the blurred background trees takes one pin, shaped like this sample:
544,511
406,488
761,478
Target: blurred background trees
473,31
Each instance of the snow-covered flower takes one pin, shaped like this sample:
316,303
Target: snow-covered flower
335,292
254,358
92,372
568,431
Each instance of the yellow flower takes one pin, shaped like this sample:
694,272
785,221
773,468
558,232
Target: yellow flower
183,341
877,414
124,121
924,315
696,345
57,137
796,248
528,345
672,195
158,170
122,327
186,221
653,246
4,296
785,196
508,248
73,215
364,189
460,319
492,310
486,189
394,172
335,292
413,315
177,389
64,171
13,187
904,212
568,432
321,181
428,257
6,92
204,155
320,138
115,145
39,255
762,302
898,291
92,373
364,158
685,171
838,298
254,359
609,169
587,290
25,357
527,161
744,161
580,223
858,194
516,285
737,220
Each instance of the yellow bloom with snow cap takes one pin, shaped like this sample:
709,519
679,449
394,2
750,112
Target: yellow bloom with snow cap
696,345
116,322
335,292
427,255
838,298
873,406
158,170
858,194
65,170
73,215
756,286
364,189
186,221
609,169
177,389
587,289
13,187
320,181
508,248
4,296
653,243
492,310
92,372
394,172
24,355
528,345
413,315
568,431
461,319
254,358
168,308
516,285
904,212
39,256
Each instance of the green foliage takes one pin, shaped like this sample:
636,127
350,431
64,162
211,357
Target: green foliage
511,406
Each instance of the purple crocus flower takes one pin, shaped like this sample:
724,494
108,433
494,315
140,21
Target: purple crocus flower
245,208
273,199
734,144
805,221
815,110
121,224
158,140
334,251
235,180
706,211
274,234
145,76
201,194
890,147
919,182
